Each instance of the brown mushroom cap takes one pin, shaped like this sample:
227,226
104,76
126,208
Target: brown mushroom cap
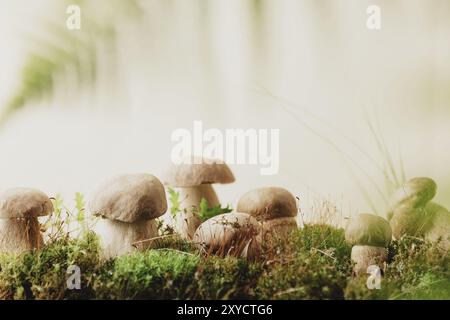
368,230
414,193
268,203
24,203
130,198
201,171
226,230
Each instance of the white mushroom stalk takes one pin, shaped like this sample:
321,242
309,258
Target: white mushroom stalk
19,225
128,206
275,208
369,235
193,181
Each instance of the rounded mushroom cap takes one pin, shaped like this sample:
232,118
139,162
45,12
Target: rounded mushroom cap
223,231
368,230
129,198
414,193
268,203
201,171
24,203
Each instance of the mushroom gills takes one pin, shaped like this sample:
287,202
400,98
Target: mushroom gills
119,238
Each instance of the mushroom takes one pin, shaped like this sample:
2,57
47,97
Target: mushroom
128,206
234,234
439,227
415,193
19,225
369,235
412,213
274,207
193,183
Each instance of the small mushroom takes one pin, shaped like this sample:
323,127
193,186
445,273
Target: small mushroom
369,235
233,234
412,213
193,182
128,206
415,193
19,225
274,207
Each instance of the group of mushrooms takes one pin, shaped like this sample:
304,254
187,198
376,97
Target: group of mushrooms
132,207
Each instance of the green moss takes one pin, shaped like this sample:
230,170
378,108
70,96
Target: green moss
312,263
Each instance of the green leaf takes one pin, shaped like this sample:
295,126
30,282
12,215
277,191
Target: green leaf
174,199
205,212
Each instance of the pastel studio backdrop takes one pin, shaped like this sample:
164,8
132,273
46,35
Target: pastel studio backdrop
309,68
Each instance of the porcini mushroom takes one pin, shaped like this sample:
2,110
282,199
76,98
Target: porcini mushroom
275,208
128,206
234,234
412,213
19,225
369,235
193,182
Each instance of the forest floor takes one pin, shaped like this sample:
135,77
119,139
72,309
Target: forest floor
312,263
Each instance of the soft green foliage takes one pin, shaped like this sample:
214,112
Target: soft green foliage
205,212
416,270
311,263
174,199
314,263
42,274
151,275
68,50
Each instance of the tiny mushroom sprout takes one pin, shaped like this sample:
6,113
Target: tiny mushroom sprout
274,207
234,234
19,225
193,181
128,206
412,213
369,235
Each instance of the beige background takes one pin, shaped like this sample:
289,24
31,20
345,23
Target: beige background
232,68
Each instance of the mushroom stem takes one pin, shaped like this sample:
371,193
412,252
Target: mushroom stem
118,237
187,221
20,234
191,196
365,256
